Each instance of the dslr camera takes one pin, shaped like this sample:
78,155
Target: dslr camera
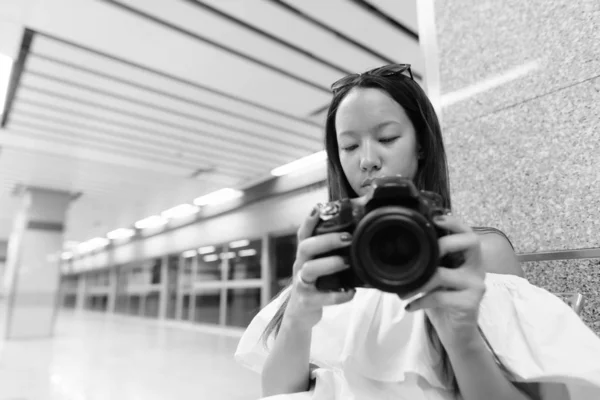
394,240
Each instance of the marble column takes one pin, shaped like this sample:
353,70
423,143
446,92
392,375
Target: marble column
32,277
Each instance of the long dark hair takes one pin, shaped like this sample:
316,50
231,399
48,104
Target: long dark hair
432,175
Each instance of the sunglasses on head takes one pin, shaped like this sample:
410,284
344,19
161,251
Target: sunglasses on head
386,70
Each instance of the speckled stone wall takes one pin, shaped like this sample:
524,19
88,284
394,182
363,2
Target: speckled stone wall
525,156
569,276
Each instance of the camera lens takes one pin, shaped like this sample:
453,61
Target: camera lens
393,247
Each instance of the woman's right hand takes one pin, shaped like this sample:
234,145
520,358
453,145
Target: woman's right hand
305,306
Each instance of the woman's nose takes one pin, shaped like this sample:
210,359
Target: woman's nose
369,159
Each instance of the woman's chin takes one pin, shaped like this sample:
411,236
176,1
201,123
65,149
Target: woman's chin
363,190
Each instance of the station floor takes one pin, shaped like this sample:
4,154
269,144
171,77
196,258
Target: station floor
94,356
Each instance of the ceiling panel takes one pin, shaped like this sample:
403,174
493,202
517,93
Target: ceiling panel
345,16
405,12
163,82
180,54
46,161
161,126
30,127
64,73
151,117
300,32
139,139
230,37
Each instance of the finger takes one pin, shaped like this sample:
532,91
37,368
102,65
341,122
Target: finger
458,243
446,298
308,225
443,278
320,244
434,300
313,269
452,223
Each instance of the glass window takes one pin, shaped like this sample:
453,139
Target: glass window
121,305
151,304
69,290
134,304
155,269
209,263
129,278
136,275
185,274
69,300
186,306
69,283
96,302
285,255
172,286
97,278
242,306
104,278
243,260
122,300
206,306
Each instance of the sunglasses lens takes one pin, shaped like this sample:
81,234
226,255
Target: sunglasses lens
337,85
386,70
396,69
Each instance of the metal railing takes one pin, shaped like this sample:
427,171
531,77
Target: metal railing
576,254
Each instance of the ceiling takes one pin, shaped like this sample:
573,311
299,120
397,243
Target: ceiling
140,105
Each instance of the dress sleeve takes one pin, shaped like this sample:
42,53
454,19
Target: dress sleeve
538,337
251,352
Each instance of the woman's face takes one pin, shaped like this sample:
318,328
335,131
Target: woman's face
375,138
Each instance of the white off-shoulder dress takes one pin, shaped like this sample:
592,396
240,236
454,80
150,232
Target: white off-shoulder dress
370,348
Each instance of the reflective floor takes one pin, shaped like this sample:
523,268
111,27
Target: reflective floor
95,356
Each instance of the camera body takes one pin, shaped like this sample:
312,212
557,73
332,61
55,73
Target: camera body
394,240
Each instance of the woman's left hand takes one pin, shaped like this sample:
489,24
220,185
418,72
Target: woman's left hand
453,295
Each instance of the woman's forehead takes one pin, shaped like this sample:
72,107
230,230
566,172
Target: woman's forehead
367,108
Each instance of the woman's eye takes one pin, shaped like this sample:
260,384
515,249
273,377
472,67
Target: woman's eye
388,140
350,147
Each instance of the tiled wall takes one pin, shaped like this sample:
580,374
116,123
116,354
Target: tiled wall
571,276
525,156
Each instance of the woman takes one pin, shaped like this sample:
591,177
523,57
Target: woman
474,332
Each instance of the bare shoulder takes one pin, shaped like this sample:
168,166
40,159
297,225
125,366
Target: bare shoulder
498,254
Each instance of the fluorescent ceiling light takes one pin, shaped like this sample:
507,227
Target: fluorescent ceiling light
67,255
239,243
189,253
180,211
121,233
99,242
247,252
227,255
6,64
210,258
92,244
206,249
220,196
150,222
84,247
300,164
70,244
